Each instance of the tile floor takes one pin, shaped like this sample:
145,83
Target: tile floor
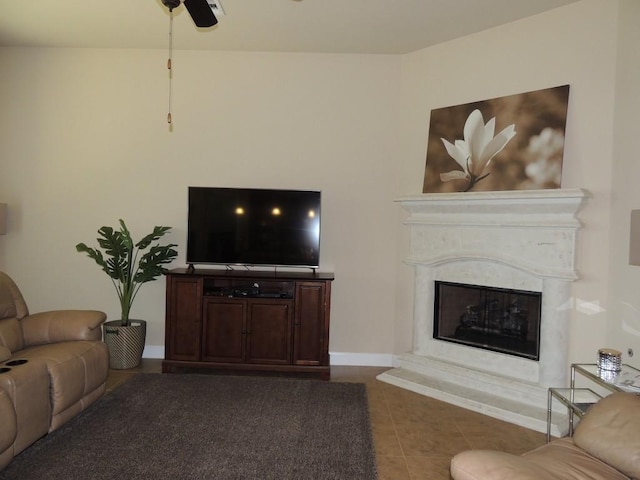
415,436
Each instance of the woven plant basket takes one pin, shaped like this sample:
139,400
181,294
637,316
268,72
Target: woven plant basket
125,343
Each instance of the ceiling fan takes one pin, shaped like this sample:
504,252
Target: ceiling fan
201,11
202,14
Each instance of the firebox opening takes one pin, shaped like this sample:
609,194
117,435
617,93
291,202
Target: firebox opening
497,319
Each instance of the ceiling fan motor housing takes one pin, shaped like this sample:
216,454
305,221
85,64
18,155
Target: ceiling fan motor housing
200,10
171,4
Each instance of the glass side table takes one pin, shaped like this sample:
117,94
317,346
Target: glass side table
577,401
627,379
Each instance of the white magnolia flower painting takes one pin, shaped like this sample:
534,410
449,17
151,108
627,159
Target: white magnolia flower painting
508,143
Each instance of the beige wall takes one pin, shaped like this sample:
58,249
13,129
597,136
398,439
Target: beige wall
83,142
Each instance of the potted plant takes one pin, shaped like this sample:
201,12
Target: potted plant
128,267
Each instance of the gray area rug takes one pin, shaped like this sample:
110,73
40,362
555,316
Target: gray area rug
171,426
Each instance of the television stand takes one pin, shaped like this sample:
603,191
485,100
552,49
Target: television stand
248,322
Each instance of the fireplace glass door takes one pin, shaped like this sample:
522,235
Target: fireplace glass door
496,319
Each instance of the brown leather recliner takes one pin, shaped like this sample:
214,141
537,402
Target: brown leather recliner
53,365
605,446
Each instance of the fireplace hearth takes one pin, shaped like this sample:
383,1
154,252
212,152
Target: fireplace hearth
496,319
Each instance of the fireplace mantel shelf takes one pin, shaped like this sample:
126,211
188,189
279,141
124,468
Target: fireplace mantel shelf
551,208
503,196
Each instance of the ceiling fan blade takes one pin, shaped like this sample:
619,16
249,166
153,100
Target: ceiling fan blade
201,13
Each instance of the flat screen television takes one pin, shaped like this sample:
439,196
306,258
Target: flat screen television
250,226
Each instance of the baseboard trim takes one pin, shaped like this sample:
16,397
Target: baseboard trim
361,359
337,358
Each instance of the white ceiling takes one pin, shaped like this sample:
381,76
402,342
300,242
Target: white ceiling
329,26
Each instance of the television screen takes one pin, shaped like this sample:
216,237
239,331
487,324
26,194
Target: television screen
250,226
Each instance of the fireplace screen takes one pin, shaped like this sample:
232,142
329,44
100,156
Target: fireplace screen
497,319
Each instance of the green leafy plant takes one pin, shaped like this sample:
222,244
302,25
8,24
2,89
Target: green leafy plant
126,264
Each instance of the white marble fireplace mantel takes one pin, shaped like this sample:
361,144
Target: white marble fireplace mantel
524,240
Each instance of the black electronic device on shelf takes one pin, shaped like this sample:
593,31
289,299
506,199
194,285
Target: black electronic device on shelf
281,290
246,290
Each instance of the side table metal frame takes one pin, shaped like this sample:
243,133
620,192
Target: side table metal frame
567,396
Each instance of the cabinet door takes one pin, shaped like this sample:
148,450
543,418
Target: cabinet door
269,331
311,324
224,330
184,316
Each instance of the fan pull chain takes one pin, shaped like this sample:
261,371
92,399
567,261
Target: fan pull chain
169,61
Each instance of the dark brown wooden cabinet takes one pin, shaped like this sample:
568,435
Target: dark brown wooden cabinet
248,321
184,331
309,339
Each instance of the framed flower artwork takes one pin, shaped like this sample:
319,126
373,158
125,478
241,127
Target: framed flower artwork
507,143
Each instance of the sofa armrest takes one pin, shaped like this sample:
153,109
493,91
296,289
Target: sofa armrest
610,431
559,460
62,326
493,465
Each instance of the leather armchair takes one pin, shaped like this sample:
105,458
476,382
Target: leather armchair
605,446
53,365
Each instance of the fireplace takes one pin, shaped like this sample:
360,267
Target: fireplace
510,241
497,319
